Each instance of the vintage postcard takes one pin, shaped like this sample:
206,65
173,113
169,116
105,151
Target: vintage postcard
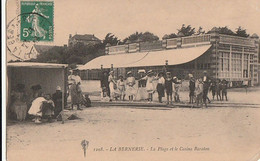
129,80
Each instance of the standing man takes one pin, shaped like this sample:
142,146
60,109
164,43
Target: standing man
191,87
105,84
206,85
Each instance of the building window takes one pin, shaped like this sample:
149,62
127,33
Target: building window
224,61
251,58
245,68
236,61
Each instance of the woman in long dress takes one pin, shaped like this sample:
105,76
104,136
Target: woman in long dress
149,84
112,84
141,92
130,89
76,95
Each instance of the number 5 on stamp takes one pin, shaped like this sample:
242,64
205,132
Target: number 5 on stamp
37,24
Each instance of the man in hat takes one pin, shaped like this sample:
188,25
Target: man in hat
160,86
206,85
168,87
224,85
105,84
191,87
57,99
141,92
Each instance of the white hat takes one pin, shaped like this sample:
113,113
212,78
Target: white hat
190,75
111,72
174,77
150,71
141,71
129,72
58,88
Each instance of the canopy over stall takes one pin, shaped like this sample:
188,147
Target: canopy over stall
48,75
153,58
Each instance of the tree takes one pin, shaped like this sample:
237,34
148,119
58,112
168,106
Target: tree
135,37
241,32
200,31
74,59
111,39
186,31
225,30
173,35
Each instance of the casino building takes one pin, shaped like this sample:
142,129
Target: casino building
233,58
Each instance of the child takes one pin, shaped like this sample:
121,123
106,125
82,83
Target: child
104,95
224,85
130,82
87,101
121,87
168,86
176,87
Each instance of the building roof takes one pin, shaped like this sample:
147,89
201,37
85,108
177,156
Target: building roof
42,48
36,65
86,37
155,58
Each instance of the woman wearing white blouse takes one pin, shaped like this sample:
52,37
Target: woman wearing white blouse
112,84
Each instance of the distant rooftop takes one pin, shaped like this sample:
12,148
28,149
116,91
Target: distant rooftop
86,37
43,48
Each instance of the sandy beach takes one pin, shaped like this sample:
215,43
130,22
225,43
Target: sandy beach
217,133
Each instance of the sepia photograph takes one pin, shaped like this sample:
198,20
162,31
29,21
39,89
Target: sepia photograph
129,80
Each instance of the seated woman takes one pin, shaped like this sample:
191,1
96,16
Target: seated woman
42,106
18,108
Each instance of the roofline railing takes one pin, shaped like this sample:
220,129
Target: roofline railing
180,42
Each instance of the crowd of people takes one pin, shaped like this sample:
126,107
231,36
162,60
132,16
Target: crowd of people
39,105
35,105
162,83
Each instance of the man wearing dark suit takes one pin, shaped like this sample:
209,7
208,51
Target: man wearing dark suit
206,84
105,84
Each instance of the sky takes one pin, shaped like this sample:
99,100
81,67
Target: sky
124,17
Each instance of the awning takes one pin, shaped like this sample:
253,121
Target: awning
153,58
36,65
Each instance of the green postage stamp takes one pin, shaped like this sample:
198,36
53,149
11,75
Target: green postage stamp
36,21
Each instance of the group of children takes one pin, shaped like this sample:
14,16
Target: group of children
219,89
199,90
